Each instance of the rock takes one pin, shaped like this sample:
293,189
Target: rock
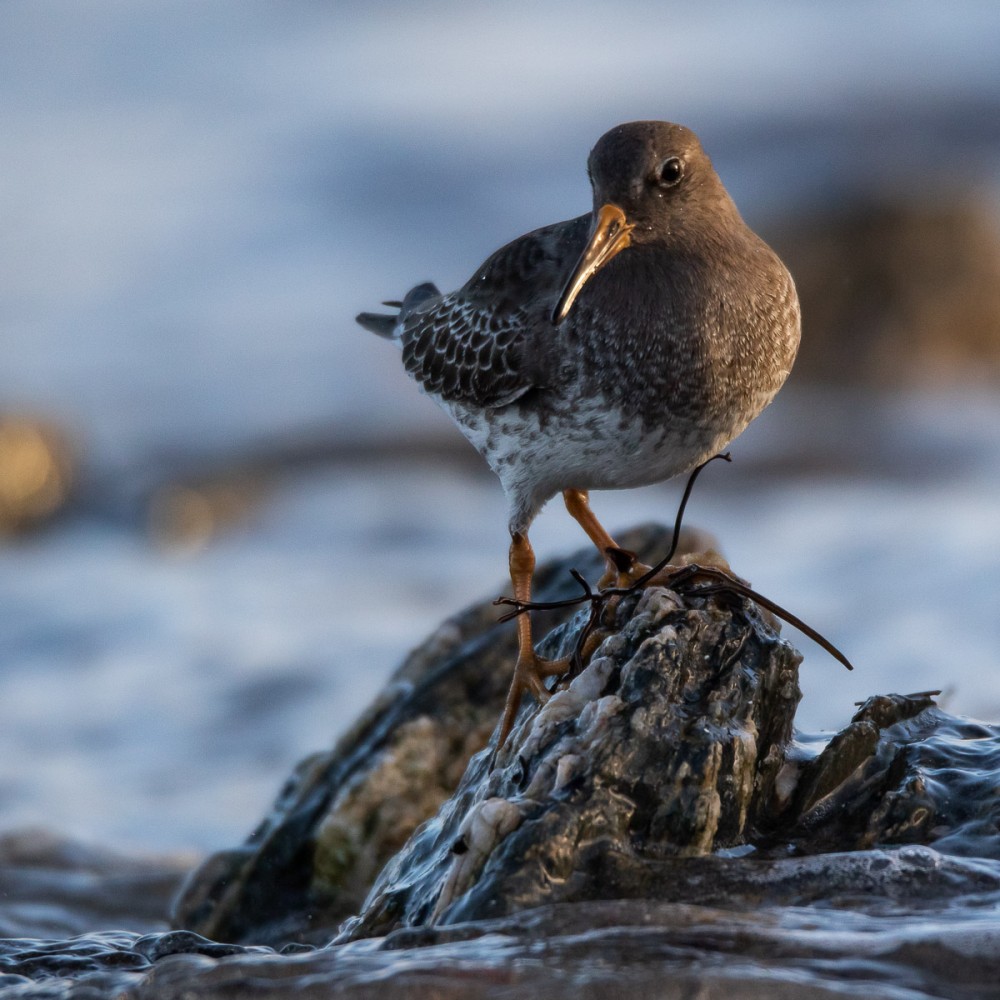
665,772
654,829
666,745
345,813
924,947
53,886
36,473
902,772
898,293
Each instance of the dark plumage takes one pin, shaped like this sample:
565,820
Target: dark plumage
613,350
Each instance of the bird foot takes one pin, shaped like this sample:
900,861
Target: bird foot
529,675
626,573
690,579
623,569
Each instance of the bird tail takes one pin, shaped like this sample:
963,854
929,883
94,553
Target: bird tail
380,323
384,324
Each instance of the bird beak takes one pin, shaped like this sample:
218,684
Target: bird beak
611,234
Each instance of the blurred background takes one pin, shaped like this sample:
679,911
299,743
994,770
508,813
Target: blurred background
226,513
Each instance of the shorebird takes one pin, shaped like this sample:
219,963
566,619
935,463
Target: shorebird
614,350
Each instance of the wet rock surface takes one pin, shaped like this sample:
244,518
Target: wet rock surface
651,949
656,827
344,814
666,745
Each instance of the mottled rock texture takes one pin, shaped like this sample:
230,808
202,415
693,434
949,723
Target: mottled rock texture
344,813
664,771
666,745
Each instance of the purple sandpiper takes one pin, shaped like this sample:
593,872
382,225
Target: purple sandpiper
613,350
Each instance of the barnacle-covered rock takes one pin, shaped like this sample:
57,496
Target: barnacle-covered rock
666,745
344,813
665,771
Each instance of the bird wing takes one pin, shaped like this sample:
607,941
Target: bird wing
484,344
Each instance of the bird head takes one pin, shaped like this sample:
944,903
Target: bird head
649,179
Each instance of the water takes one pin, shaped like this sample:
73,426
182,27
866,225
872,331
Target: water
196,201
158,700
142,683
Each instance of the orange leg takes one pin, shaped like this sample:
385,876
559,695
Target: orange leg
623,566
578,504
531,669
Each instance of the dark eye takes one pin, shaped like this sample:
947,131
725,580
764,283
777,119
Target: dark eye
671,171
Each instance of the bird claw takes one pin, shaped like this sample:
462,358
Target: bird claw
623,568
529,675
691,580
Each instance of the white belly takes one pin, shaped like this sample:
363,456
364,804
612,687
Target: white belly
584,448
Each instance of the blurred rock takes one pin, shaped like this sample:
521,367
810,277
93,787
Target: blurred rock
195,500
53,886
897,293
36,473
185,517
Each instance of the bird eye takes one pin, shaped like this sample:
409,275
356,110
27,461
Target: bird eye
671,171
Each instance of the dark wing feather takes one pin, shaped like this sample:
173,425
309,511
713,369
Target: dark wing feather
484,344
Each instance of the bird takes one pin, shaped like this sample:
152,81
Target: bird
614,350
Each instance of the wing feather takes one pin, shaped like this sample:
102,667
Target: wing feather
484,344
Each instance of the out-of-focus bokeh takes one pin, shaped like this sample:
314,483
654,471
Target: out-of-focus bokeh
225,512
